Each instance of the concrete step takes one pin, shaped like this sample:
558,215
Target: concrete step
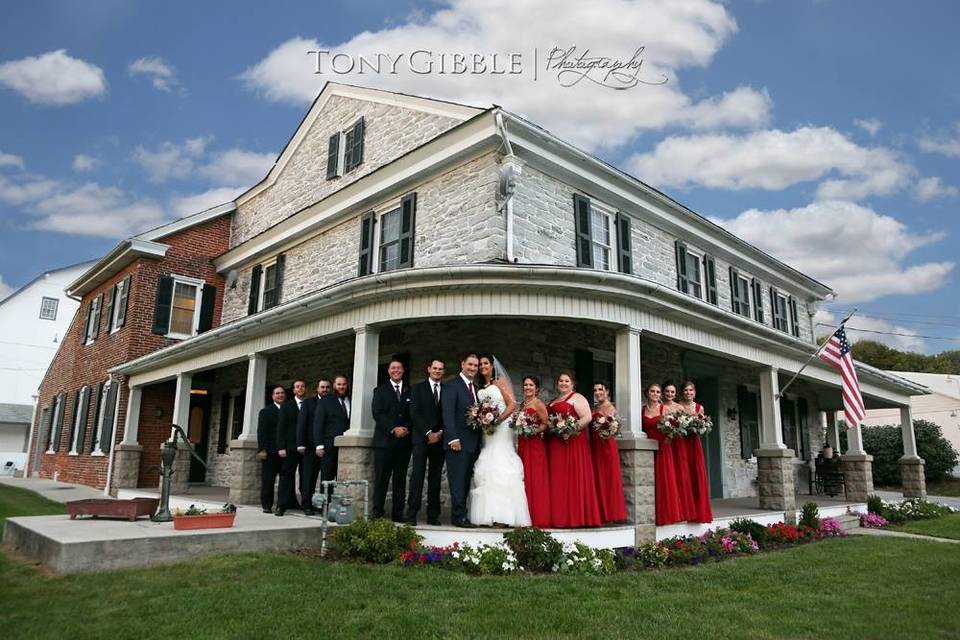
848,521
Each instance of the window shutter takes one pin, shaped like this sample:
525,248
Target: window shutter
77,397
734,291
356,149
97,308
710,276
774,312
106,440
581,212
122,303
366,244
252,306
757,300
333,156
224,423
84,417
624,244
683,282
85,334
61,400
239,406
96,399
803,454
408,223
745,414
278,285
108,317
794,323
162,307
207,302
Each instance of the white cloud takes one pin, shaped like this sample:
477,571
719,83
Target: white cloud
25,188
161,74
54,78
5,289
773,160
909,342
947,144
170,160
10,160
83,163
197,202
95,210
237,166
852,248
870,125
933,187
676,35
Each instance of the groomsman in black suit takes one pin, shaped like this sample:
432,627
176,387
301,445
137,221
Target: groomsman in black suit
332,419
461,443
426,422
306,447
287,448
391,441
267,447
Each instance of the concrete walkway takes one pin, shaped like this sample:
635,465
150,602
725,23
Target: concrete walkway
56,491
898,534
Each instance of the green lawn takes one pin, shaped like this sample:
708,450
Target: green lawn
855,587
950,487
945,527
20,502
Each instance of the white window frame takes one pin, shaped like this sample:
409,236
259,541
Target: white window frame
115,310
56,307
391,206
698,259
82,401
96,308
777,294
58,403
261,295
198,299
751,303
611,216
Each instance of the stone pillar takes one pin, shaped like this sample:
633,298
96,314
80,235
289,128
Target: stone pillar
246,478
858,474
179,483
639,492
629,392
126,467
913,478
775,486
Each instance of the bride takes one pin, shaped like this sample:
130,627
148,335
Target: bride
497,495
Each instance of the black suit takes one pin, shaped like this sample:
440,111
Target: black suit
267,441
309,463
287,439
455,400
391,454
329,421
426,415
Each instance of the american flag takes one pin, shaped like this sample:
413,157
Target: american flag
837,353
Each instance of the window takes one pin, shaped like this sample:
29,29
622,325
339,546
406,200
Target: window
93,319
748,410
104,418
80,410
185,308
793,420
266,284
271,288
390,240
694,278
386,240
739,293
778,304
56,424
345,150
48,308
757,289
602,236
696,274
794,317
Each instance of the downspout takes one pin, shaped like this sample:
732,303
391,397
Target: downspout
27,468
509,172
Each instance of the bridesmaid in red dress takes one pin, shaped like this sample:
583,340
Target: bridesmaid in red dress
573,492
696,466
681,455
606,461
533,452
667,498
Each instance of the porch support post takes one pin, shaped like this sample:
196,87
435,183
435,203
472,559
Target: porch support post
355,448
857,466
126,457
775,484
912,475
629,389
181,401
834,432
245,481
854,439
181,417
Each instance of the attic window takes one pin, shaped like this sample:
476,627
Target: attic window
345,150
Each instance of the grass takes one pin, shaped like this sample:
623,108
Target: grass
948,487
854,587
15,501
945,527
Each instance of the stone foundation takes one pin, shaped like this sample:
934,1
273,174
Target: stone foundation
636,465
126,467
858,473
245,480
775,480
356,463
913,478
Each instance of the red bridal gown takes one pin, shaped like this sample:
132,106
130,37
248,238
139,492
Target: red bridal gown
699,484
573,493
606,467
536,475
681,462
667,500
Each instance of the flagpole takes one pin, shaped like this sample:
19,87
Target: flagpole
812,356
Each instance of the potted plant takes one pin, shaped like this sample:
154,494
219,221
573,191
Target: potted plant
197,518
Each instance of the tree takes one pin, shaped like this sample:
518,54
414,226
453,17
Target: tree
885,444
884,357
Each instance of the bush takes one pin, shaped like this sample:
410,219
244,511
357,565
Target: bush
378,541
874,504
872,521
752,528
487,559
913,509
810,515
535,549
885,444
579,559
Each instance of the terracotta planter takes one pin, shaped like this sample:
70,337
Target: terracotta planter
204,521
106,508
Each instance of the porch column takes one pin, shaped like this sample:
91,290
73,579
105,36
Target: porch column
181,416
629,391
857,465
127,454
912,476
245,481
854,437
774,461
834,430
355,448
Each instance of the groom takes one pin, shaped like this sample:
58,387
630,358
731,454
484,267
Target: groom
461,443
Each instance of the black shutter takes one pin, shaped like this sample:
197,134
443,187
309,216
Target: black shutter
97,308
77,397
757,300
583,369
97,404
239,406
84,417
207,302
86,324
356,149
774,310
162,307
794,317
366,244
108,317
106,439
581,213
255,274
224,423
281,264
333,156
683,282
408,223
710,276
804,452
62,400
734,291
749,422
624,244
124,299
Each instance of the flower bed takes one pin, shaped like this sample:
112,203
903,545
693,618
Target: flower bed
881,513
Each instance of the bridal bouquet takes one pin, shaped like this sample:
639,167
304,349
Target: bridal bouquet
673,425
699,425
564,426
606,426
526,424
483,415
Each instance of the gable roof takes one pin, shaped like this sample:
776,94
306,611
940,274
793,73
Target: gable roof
42,275
15,413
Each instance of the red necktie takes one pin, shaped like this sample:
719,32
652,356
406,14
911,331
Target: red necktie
472,394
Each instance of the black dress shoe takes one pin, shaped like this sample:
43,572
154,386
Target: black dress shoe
433,521
268,510
279,512
464,524
410,521
309,512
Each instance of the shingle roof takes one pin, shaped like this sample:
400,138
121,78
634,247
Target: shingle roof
15,413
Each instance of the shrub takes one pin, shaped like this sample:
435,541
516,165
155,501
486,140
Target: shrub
535,549
378,541
830,527
686,550
872,521
810,515
913,509
874,504
579,559
487,559
754,529
780,533
885,444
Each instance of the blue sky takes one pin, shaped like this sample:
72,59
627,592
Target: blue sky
825,132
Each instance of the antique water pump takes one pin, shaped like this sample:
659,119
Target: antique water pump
167,457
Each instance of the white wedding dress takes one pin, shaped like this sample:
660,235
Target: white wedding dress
497,494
